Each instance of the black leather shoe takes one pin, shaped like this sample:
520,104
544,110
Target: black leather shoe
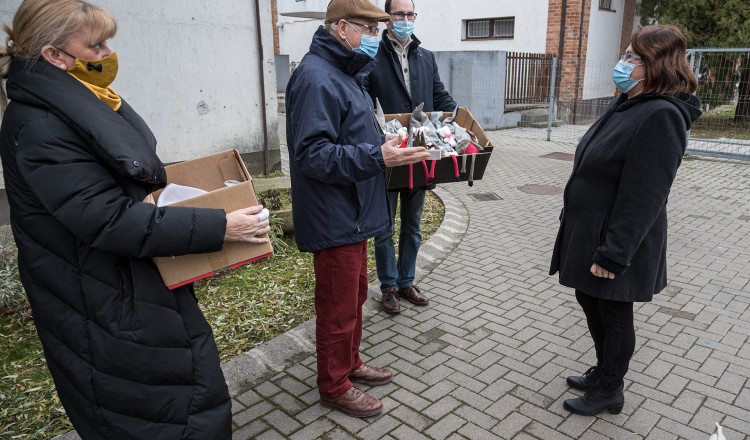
595,401
586,381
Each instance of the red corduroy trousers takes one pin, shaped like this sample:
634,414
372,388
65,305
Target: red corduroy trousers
340,292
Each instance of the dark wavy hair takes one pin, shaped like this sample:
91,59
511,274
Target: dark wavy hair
663,53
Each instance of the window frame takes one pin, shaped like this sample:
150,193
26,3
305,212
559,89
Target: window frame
492,28
606,5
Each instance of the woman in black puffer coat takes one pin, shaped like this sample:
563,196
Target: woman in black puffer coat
130,358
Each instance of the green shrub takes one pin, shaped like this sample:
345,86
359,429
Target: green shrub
276,199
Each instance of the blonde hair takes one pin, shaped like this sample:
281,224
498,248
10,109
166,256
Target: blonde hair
39,23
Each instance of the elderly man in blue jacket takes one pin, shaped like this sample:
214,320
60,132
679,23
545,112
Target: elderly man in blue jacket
337,156
404,76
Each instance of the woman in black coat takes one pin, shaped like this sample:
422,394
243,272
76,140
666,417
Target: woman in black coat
611,246
130,359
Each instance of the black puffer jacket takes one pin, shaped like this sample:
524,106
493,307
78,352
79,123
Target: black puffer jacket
130,359
615,202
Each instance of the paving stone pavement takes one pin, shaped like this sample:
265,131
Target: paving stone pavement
487,359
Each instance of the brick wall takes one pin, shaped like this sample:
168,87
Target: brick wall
572,55
628,19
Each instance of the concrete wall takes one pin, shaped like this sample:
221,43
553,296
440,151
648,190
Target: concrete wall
195,72
476,80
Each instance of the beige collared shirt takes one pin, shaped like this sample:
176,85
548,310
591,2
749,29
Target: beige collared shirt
403,56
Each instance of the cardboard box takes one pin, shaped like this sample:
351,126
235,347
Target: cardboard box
209,173
445,168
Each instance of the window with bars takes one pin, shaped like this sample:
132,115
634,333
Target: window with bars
489,28
605,5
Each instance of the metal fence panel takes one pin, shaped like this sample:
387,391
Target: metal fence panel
724,88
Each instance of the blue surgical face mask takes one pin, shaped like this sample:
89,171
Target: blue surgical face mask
402,29
368,45
621,76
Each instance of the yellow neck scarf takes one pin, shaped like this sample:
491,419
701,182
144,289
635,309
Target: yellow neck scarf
106,94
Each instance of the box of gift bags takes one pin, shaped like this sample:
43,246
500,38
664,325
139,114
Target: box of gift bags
460,168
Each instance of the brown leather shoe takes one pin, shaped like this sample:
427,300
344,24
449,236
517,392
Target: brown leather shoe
390,301
414,295
355,403
372,376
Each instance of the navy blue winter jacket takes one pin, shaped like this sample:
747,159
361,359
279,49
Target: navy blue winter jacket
386,81
338,185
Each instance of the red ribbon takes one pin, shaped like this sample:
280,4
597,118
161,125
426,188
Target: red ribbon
429,174
403,143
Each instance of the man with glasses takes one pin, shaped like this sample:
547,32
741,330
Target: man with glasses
404,76
337,158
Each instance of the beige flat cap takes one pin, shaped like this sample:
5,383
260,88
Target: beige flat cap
342,9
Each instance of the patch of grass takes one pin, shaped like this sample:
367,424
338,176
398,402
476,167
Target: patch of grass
252,304
432,217
719,123
246,307
29,406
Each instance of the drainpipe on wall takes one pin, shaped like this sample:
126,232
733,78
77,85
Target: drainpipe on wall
562,30
262,78
578,60
561,46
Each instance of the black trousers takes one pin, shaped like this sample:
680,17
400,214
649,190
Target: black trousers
611,326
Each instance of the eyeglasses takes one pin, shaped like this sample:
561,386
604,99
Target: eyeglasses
411,16
371,30
630,56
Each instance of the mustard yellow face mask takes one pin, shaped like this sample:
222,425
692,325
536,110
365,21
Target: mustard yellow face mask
97,76
100,73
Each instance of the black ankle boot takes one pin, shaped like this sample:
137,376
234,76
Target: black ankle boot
595,401
586,381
